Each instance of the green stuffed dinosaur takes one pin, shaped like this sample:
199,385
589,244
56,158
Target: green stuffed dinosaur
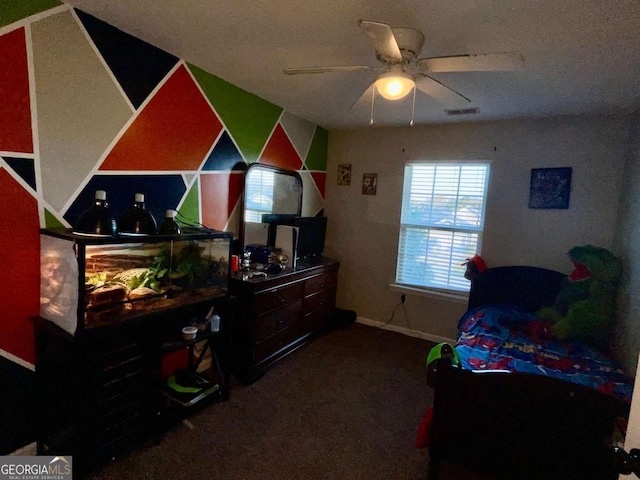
585,307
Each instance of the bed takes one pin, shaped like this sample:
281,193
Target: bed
514,402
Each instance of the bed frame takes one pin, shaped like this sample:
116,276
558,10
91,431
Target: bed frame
516,425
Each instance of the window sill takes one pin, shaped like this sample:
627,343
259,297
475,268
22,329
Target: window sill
455,297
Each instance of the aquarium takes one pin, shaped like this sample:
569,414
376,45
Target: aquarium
88,281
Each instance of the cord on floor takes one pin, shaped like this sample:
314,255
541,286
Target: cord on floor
406,317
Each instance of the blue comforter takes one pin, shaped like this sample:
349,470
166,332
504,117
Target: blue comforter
504,337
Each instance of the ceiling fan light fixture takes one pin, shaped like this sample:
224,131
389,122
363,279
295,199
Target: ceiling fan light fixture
394,85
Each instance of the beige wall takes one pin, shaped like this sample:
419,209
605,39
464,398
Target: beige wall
627,245
363,230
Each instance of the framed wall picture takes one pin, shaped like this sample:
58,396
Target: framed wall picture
344,174
550,187
369,183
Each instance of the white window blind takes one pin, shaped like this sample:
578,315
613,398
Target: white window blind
258,195
443,207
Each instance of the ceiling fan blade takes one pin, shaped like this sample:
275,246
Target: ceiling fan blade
383,39
345,68
483,62
438,90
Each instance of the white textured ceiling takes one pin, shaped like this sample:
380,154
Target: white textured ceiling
581,56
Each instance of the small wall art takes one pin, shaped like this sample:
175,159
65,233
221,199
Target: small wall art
344,174
550,187
369,183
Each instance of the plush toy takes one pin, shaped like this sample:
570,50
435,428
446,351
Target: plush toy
475,266
585,307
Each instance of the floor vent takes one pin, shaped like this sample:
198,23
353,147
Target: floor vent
462,111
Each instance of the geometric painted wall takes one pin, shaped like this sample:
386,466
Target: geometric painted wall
85,106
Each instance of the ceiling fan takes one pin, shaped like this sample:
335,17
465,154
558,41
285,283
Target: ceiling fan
402,71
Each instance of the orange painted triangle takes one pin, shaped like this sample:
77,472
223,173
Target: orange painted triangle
175,130
279,151
220,192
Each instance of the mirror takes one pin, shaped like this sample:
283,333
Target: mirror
268,190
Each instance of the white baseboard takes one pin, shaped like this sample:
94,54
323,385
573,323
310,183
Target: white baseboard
30,450
405,331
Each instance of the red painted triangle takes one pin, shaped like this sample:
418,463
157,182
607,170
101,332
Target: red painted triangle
15,106
20,282
174,131
279,152
321,180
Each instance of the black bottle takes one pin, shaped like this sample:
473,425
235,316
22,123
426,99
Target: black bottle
97,220
137,220
169,226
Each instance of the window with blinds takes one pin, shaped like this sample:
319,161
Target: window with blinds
259,200
443,208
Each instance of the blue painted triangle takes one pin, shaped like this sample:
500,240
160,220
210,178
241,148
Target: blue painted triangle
23,167
162,192
137,65
224,156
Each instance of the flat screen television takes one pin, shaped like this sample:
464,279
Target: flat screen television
311,232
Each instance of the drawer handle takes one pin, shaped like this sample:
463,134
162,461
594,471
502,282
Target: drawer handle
283,299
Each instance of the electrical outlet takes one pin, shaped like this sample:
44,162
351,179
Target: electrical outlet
403,297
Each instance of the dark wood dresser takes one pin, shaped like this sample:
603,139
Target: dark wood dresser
277,314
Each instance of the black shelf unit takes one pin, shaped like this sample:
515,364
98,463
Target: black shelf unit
100,389
198,385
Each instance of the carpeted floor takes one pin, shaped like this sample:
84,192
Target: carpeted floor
346,406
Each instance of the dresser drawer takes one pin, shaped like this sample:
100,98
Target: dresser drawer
124,369
319,301
273,344
120,400
325,281
278,297
121,355
276,320
123,384
136,407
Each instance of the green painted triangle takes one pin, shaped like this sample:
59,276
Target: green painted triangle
12,10
50,220
190,207
317,156
249,118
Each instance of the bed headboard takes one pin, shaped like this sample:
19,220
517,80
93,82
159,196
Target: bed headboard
528,287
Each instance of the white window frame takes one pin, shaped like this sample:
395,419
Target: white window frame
407,273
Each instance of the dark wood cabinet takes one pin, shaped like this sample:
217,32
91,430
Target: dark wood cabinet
277,314
102,392
94,393
112,309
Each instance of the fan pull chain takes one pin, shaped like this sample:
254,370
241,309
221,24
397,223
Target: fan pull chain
413,107
373,96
